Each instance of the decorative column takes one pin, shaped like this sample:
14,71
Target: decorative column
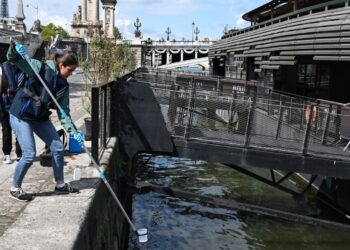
109,20
20,17
94,11
196,53
181,55
153,58
83,11
167,56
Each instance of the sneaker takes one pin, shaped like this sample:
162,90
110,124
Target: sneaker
66,189
7,159
20,195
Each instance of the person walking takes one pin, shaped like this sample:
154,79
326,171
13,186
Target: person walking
30,112
10,79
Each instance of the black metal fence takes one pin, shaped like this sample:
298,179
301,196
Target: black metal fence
103,103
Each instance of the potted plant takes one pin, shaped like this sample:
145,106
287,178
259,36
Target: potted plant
105,61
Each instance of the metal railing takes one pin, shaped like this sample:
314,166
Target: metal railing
251,117
242,115
101,103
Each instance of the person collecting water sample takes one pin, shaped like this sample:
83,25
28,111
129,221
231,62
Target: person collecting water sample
30,112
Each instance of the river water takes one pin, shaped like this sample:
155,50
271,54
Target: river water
175,223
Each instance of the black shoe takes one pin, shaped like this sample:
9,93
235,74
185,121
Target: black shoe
66,189
20,195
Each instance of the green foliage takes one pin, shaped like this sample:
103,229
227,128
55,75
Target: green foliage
50,30
117,33
106,61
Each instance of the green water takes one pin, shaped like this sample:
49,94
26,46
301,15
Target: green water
173,223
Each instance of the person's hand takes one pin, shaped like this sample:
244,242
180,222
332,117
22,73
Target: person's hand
79,137
21,50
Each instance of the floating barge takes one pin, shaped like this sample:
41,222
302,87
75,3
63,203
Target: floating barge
300,49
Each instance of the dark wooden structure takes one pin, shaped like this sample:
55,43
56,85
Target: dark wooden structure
300,47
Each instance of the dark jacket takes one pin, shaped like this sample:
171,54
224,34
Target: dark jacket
32,102
11,79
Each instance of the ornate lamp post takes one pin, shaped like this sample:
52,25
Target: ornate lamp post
137,25
168,32
193,24
197,31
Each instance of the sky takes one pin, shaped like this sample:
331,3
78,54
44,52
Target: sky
210,16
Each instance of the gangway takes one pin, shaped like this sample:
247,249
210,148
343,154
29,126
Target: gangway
239,126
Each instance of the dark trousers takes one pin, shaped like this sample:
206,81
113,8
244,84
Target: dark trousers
7,135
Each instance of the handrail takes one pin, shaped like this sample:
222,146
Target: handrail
288,122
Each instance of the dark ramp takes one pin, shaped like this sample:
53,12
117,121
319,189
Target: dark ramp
139,122
250,157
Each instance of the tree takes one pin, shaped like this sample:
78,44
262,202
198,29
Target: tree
50,30
117,33
106,61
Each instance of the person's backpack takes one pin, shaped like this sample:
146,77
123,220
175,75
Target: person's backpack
12,79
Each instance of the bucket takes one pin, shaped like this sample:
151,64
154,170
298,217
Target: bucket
74,146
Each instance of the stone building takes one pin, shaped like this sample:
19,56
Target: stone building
12,23
109,17
86,21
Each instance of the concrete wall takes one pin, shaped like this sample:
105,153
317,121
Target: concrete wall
105,227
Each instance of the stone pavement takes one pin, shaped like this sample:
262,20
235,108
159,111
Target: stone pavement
49,221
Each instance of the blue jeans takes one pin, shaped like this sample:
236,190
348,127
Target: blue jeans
24,131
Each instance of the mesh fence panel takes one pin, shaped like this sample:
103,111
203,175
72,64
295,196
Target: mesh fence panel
262,119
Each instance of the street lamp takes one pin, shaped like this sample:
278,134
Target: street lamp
37,10
193,24
197,31
168,32
88,40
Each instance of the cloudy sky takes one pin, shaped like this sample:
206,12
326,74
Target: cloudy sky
211,16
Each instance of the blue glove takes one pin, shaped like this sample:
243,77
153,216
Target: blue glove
79,137
21,50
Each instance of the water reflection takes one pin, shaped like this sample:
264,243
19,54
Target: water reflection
181,224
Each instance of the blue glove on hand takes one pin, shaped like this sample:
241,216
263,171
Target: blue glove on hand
79,137
21,50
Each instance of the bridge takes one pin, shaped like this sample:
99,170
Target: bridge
159,53
202,62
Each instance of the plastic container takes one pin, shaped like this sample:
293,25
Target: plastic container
76,174
74,146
